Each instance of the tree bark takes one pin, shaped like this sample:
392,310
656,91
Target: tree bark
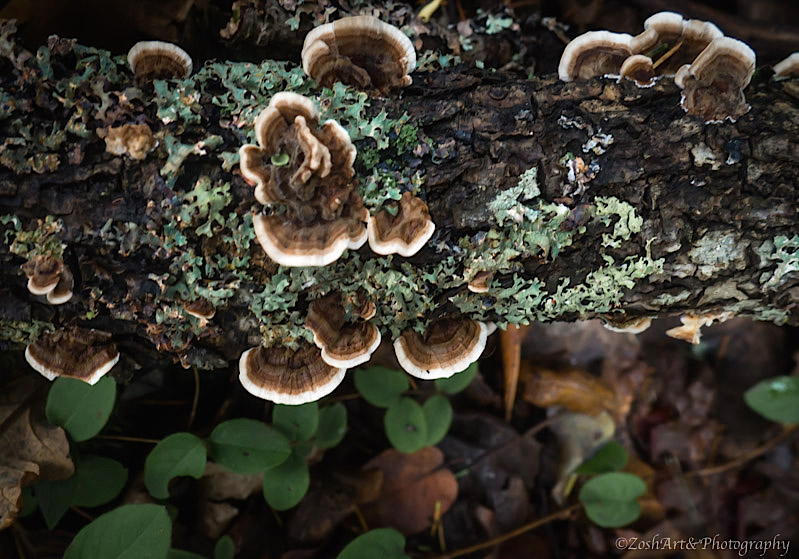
717,203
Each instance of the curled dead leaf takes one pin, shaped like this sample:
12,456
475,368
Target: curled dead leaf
31,448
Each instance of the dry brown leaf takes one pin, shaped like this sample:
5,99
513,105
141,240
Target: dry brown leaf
574,389
329,503
412,484
32,448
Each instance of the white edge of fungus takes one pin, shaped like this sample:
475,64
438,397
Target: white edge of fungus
407,362
787,67
144,46
635,328
42,290
281,397
359,359
397,246
321,258
58,299
586,40
51,375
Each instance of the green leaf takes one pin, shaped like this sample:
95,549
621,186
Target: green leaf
29,502
286,484
776,399
438,418
610,458
385,543
332,425
180,554
457,382
610,499
224,548
179,454
298,423
127,532
81,409
54,498
99,480
247,446
381,386
405,424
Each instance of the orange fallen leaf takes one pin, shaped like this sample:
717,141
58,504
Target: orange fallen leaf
412,484
574,389
511,342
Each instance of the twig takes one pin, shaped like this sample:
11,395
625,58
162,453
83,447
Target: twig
563,513
130,439
82,513
741,460
196,396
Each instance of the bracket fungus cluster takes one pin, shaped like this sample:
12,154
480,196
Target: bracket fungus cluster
360,51
306,169
711,69
158,60
49,276
73,352
449,346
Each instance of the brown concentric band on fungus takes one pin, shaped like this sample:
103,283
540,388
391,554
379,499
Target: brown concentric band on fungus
343,343
287,376
713,84
324,214
73,352
404,233
156,60
449,346
360,51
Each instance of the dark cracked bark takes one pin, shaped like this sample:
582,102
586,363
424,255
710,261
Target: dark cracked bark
715,201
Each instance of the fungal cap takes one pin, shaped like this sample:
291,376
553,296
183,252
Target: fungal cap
154,60
449,347
287,376
787,67
479,283
44,273
638,68
62,292
662,27
595,53
134,140
316,244
201,308
691,329
73,352
634,326
405,233
361,51
343,344
714,83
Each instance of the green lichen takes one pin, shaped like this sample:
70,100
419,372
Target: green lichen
627,224
786,256
42,240
23,332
